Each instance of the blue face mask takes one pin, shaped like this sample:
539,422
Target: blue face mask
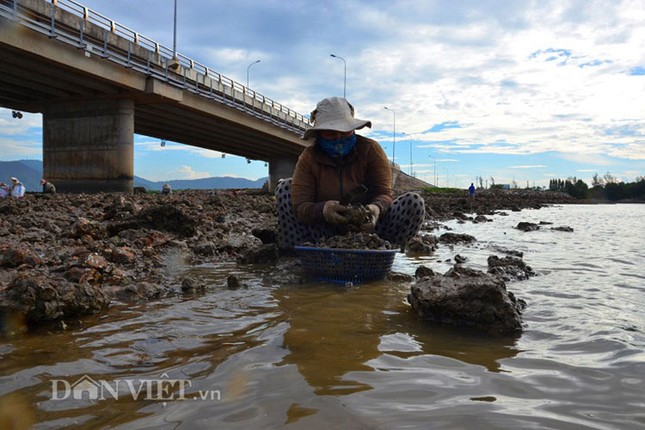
336,148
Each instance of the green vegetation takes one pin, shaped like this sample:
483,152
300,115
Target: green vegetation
603,188
607,188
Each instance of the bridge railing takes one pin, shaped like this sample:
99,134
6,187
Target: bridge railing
147,56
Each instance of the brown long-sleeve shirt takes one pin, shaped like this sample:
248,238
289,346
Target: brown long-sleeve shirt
318,178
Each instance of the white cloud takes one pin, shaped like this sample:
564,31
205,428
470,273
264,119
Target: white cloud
12,149
595,159
10,126
187,172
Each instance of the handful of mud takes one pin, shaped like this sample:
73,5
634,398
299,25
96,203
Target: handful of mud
358,216
353,241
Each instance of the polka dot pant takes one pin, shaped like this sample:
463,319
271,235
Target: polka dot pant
403,220
400,224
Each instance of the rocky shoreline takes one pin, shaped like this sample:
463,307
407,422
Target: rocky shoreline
66,255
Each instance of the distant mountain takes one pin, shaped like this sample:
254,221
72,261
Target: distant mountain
201,184
29,172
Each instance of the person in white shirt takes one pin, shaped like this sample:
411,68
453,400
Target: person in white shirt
5,190
17,188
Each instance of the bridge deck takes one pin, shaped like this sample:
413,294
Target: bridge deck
67,52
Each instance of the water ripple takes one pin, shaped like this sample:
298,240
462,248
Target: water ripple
317,356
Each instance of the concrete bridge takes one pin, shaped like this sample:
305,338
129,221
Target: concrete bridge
97,83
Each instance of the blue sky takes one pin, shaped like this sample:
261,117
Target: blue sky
520,91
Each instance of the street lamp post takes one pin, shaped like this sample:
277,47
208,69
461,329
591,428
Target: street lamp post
411,162
174,34
434,170
345,75
393,133
174,62
247,72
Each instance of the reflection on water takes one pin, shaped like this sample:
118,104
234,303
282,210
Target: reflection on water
320,355
336,330
326,338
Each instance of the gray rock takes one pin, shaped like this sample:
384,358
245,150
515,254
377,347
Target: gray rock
15,256
266,235
263,254
470,298
451,238
190,285
527,226
509,268
513,252
422,244
480,218
37,297
423,271
460,259
233,283
564,228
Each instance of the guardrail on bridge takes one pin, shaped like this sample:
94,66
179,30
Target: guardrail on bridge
143,54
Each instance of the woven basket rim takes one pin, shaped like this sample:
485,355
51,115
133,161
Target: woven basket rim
348,250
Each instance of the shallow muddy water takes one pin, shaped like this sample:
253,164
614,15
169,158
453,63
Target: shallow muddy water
317,355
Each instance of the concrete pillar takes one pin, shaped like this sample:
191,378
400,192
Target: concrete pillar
88,146
280,168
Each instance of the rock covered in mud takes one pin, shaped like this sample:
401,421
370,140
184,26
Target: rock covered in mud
190,285
527,226
509,268
503,250
564,228
266,235
423,272
263,254
422,244
15,256
38,297
481,218
353,241
84,250
452,238
470,298
460,259
233,283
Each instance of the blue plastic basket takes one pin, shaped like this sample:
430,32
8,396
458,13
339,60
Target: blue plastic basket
358,266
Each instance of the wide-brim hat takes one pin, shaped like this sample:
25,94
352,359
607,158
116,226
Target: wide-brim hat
14,179
334,113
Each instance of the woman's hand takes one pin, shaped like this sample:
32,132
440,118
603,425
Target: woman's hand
333,212
368,227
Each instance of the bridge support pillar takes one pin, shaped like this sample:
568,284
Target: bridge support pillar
281,168
88,146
